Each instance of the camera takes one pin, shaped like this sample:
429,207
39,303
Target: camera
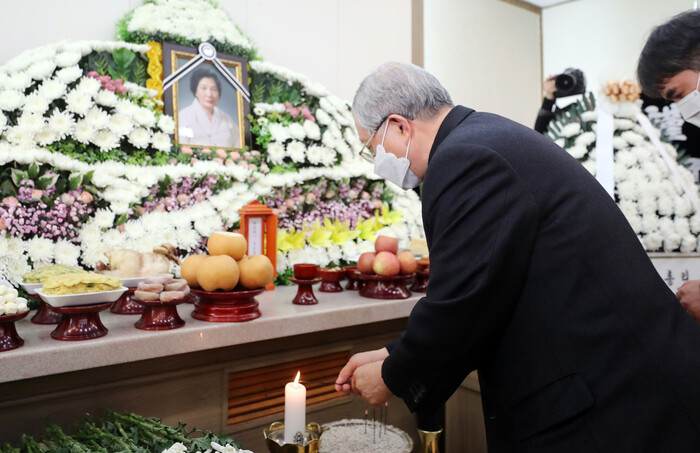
570,82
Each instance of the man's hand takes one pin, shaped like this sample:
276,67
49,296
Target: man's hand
344,379
549,87
368,383
689,295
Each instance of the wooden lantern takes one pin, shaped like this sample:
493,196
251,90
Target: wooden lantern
259,226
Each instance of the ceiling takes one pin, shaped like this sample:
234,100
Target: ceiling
546,3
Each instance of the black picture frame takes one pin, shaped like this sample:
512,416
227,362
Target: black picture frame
231,101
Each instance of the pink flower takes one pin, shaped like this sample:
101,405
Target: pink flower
172,161
86,197
11,201
3,224
264,168
235,155
141,210
229,162
294,112
160,208
330,194
287,105
252,167
218,160
37,194
221,153
310,197
121,227
376,203
92,74
365,195
307,114
200,196
352,194
186,150
243,164
205,151
300,199
246,155
290,203
121,89
183,198
255,153
193,160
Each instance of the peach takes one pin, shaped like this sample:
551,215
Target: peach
386,263
408,262
386,244
365,263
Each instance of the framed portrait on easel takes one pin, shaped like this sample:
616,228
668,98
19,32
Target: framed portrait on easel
209,110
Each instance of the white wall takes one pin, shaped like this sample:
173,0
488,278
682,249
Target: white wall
487,54
334,42
604,38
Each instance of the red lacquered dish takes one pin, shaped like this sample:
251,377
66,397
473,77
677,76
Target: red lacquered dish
305,293
9,338
160,315
226,306
353,283
384,287
305,271
330,280
420,284
127,304
80,322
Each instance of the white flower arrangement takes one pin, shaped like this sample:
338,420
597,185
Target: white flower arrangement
654,203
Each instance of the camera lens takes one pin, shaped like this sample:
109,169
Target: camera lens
564,82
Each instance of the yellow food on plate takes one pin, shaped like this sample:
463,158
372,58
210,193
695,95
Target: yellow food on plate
41,274
79,283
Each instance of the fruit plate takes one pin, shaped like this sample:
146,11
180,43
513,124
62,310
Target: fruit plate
384,287
133,282
72,300
31,288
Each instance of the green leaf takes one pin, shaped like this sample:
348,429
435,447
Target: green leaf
75,181
121,219
45,182
87,177
102,65
7,189
33,170
18,176
122,60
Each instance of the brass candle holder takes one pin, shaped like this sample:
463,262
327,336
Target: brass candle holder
274,438
429,439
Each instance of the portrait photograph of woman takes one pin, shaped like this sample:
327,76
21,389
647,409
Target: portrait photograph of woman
208,110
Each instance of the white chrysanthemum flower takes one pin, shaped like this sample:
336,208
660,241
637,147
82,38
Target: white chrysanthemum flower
70,74
120,124
652,241
19,81
623,124
665,206
626,157
187,238
633,138
18,267
11,100
570,130
635,222
3,122
52,89
166,124
68,58
20,136
647,206
106,98
681,225
89,86
688,244
297,131
97,118
313,131
105,140
161,141
36,103
335,131
328,156
628,207
297,151
590,166
619,143
278,132
145,117
695,224
585,139
652,172
328,139
177,447
207,225
134,229
315,154
40,250
671,150
140,138
41,69
120,207
66,253
45,136
78,102
682,207
83,132
672,242
104,218
323,117
258,110
31,122
578,151
276,152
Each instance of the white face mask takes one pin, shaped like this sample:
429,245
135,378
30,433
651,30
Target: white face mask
396,170
689,106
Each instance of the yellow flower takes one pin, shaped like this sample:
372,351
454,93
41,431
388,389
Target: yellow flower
289,240
387,216
367,229
319,235
340,231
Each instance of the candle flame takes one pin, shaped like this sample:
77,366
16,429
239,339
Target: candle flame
296,379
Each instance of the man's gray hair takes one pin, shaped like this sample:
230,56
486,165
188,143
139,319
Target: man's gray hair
398,88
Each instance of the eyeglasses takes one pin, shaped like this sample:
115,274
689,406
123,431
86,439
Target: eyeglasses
366,153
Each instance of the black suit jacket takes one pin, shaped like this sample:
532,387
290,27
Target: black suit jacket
538,281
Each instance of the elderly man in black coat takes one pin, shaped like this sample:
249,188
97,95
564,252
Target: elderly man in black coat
537,281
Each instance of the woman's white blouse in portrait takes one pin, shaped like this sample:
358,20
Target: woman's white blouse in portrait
194,127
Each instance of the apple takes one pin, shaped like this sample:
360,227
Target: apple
365,263
408,262
386,263
386,244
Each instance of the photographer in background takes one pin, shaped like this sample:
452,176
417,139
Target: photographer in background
569,83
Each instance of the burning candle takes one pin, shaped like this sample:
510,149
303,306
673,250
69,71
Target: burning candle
294,412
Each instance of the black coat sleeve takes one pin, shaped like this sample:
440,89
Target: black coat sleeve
481,223
545,115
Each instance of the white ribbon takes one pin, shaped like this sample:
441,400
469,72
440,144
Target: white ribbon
604,160
670,162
